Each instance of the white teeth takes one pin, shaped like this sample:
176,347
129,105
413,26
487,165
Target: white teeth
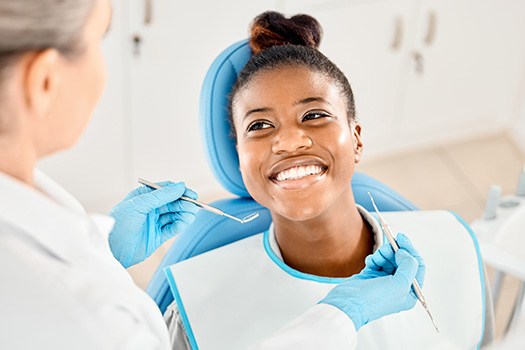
298,172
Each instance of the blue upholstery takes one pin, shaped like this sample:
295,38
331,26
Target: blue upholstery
210,231
219,145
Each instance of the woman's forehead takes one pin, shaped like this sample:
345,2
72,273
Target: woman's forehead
289,74
287,85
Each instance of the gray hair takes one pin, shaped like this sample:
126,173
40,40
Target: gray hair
33,25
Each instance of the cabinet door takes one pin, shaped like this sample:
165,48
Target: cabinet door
368,41
176,49
472,56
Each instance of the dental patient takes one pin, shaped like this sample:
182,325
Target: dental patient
293,116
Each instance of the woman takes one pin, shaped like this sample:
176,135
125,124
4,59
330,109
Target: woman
298,142
62,287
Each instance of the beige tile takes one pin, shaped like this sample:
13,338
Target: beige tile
422,177
468,210
142,273
488,161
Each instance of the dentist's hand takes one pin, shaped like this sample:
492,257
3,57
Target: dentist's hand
383,287
146,218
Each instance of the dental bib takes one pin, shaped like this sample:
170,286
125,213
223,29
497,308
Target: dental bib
237,295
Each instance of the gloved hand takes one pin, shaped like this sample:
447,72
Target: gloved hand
146,218
383,287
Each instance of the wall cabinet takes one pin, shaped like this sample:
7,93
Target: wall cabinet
473,67
425,71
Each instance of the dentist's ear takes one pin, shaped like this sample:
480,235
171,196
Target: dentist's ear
41,81
358,141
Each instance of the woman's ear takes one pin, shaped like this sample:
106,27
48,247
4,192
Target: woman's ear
358,142
42,77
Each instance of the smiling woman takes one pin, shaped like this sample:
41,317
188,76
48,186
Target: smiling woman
298,141
297,152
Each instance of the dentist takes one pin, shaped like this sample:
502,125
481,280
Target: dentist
62,271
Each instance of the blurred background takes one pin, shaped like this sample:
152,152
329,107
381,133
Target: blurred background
439,88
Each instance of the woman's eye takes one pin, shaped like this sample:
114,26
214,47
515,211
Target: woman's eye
259,125
314,115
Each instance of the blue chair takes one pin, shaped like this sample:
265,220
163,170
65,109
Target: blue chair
210,231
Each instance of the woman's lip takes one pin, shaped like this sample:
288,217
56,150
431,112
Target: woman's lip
295,162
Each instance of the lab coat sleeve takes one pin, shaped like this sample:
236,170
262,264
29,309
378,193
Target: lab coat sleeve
322,327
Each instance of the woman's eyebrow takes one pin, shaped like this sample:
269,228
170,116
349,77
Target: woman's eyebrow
257,110
311,99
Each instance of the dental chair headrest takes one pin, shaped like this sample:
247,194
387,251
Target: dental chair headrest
218,141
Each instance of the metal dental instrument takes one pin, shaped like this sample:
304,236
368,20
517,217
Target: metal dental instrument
390,237
203,205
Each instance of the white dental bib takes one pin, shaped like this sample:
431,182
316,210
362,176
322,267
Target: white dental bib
237,295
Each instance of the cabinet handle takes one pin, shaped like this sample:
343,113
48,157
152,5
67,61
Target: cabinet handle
148,12
397,40
137,44
431,29
419,62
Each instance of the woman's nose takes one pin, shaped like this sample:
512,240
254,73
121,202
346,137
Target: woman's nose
291,140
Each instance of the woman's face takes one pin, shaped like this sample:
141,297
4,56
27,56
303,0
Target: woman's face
80,85
296,148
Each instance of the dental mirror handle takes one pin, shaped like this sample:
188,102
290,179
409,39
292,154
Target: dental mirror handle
187,199
194,201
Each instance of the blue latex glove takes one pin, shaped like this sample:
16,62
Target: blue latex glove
146,218
383,287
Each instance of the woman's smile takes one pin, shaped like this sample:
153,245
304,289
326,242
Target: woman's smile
298,172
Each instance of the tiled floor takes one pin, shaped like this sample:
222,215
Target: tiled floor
452,176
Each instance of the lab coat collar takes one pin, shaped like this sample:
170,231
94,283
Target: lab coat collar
365,214
50,216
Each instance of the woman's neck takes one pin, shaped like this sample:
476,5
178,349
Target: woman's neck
334,244
17,159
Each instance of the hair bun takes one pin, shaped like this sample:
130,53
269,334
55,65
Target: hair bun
272,29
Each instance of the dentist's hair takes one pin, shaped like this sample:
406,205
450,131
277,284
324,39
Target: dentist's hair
34,25
277,41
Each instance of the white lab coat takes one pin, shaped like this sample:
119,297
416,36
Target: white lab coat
61,288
